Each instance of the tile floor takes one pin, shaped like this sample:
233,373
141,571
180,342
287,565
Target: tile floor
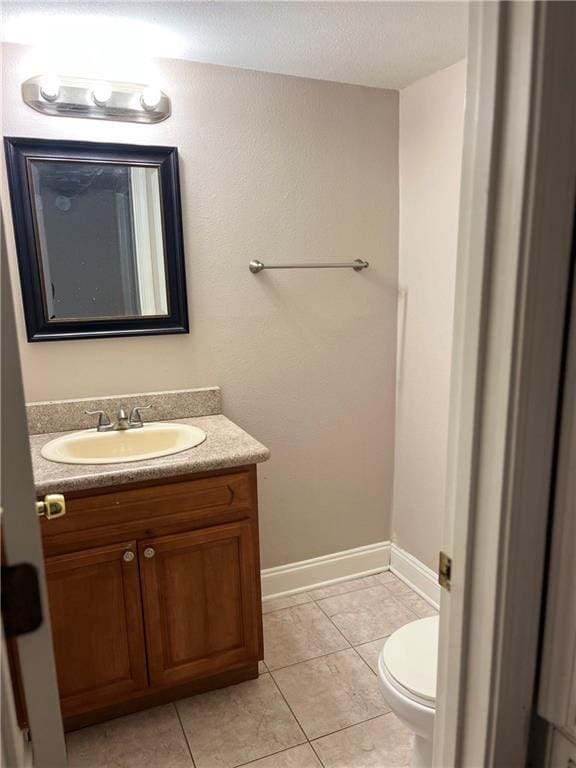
316,703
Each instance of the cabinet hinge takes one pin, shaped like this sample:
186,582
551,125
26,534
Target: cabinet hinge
21,606
445,571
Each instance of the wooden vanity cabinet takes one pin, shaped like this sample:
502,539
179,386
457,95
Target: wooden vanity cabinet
154,592
97,626
198,602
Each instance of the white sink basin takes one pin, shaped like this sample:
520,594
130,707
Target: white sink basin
148,442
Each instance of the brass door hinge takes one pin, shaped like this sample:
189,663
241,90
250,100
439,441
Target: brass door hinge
445,571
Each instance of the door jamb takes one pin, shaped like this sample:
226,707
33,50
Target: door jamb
514,263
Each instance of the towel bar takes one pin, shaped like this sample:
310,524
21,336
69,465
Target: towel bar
357,265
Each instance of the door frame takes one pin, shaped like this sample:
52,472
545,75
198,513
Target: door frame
514,255
557,676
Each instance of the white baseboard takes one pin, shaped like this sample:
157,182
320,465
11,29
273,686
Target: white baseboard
353,563
417,575
325,570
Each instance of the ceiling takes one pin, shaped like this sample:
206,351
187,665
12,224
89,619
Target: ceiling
380,44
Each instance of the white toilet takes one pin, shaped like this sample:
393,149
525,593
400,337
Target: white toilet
407,672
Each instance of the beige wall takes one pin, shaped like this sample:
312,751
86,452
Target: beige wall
282,169
431,134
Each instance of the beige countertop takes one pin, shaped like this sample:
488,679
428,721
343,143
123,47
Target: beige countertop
226,445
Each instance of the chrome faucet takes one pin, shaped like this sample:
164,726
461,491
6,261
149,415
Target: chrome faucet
123,422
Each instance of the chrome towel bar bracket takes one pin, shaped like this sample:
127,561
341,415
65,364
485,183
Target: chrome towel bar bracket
357,265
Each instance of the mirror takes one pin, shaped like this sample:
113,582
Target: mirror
99,238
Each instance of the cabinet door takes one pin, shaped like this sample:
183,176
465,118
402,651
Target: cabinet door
96,609
201,602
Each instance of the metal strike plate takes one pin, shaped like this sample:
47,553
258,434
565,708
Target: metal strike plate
445,571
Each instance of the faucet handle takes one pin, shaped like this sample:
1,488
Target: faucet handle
103,418
136,416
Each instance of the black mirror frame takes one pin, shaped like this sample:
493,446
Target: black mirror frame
18,152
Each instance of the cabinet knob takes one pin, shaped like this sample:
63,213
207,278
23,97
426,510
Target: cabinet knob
128,556
149,552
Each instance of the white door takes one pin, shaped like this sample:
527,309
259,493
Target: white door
514,254
22,544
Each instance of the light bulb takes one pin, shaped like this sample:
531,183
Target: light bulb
101,94
150,97
49,87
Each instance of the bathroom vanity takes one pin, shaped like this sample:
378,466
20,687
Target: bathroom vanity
153,573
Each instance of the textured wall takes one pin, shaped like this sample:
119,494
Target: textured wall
431,135
282,169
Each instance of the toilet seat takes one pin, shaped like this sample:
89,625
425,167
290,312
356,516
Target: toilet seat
409,660
403,693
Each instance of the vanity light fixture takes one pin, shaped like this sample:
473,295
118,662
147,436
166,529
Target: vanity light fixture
84,97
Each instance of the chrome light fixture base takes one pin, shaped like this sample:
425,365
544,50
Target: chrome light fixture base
75,98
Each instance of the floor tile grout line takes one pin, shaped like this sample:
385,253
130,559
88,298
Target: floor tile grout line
407,607
398,595
330,653
410,608
367,642
346,592
364,660
396,598
347,727
380,585
289,707
272,754
315,738
315,599
316,753
350,644
312,658
286,608
333,623
308,741
184,734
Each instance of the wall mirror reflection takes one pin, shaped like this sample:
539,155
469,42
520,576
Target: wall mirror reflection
99,237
